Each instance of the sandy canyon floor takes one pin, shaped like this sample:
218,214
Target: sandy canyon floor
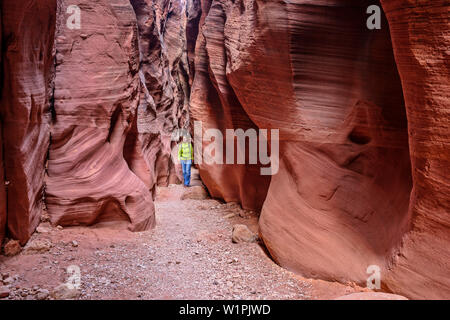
188,255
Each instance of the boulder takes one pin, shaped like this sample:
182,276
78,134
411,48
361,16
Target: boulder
241,233
38,246
12,248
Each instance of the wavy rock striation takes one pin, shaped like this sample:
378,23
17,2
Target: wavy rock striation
215,103
421,38
97,86
164,84
27,36
346,196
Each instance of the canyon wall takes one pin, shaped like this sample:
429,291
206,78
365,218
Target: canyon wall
96,96
215,103
27,35
421,39
2,170
87,119
121,89
164,83
341,199
88,111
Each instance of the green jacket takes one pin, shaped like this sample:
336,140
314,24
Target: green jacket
185,151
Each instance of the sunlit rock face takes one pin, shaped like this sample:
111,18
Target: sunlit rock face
96,97
27,36
421,40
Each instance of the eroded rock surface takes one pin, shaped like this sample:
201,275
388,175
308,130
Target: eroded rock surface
164,84
27,36
215,104
96,97
344,196
421,38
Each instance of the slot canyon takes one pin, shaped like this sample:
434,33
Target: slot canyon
90,116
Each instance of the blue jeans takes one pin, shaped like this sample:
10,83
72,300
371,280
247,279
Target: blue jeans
186,166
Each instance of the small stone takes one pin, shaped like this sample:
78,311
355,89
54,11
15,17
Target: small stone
8,280
74,243
38,246
12,248
65,292
59,227
4,292
43,228
42,294
241,233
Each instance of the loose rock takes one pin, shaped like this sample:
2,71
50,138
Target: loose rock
64,292
12,248
241,233
38,246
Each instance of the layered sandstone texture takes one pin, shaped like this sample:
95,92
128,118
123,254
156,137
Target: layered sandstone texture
344,197
164,75
27,37
421,40
121,89
214,103
96,97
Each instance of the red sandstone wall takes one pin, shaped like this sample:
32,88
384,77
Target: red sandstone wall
215,104
28,35
2,170
344,197
421,40
96,99
164,83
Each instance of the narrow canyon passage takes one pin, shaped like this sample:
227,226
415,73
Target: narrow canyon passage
96,96
189,255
